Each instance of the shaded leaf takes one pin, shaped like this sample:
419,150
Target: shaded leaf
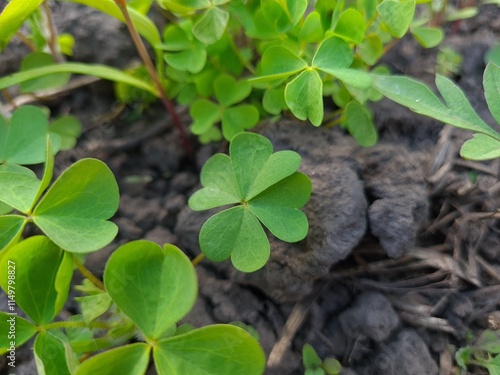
232,351
491,83
204,113
53,356
279,62
74,211
351,26
397,15
237,119
228,91
130,359
210,27
481,147
360,124
428,37
278,207
69,129
304,97
23,331
11,228
161,281
38,60
235,233
192,60
41,292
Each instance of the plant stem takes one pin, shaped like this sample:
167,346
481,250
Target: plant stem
86,273
9,98
52,42
26,41
141,49
198,259
56,325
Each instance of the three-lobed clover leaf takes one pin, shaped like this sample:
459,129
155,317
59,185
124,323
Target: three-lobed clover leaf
304,93
267,189
235,118
156,287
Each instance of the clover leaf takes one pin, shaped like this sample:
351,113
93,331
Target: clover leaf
304,93
235,118
268,191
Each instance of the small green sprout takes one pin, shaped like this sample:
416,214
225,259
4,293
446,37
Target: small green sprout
265,189
315,366
484,352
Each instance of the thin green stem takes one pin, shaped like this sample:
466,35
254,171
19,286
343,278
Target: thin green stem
198,259
86,273
26,41
56,325
143,53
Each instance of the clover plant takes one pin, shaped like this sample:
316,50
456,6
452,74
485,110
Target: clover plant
147,289
456,109
264,189
314,365
234,62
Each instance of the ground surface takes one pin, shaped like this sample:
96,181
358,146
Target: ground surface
402,259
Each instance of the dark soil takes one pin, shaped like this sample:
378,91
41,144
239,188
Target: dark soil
402,258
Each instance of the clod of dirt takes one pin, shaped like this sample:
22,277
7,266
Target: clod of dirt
395,181
371,315
406,355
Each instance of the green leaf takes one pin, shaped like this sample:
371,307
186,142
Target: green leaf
273,100
210,27
493,365
100,71
460,106
332,366
69,129
237,119
130,359
279,62
15,331
41,292
13,16
491,83
397,15
461,14
278,207
463,357
192,60
19,188
351,26
74,211
235,233
220,185
204,113
312,30
94,306
256,167
489,341
371,49
24,141
212,350
360,125
11,228
304,97
37,60
353,77
420,99
481,147
145,26
249,177
428,37
141,6
53,356
228,91
310,358
161,281
5,208
178,38
332,54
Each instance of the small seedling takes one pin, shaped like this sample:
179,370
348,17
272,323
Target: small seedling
315,366
456,110
265,189
484,352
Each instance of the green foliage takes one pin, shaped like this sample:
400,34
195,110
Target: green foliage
315,366
40,291
456,110
484,352
37,60
13,16
267,189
